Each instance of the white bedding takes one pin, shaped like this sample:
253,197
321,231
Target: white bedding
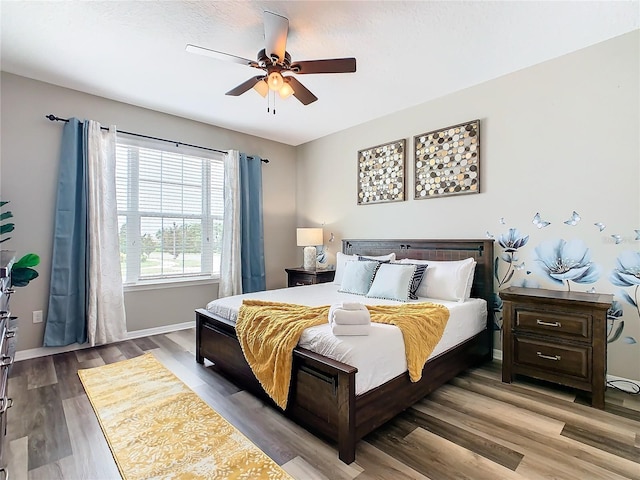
379,356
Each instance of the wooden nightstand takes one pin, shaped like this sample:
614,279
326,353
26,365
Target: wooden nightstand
557,336
299,276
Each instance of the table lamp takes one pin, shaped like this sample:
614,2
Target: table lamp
309,238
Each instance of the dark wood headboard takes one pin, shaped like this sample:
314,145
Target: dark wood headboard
480,250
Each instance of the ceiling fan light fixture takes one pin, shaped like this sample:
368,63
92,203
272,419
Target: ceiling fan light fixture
275,81
286,91
261,87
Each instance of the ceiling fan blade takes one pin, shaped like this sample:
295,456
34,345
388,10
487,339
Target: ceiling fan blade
207,52
333,65
276,29
245,86
301,92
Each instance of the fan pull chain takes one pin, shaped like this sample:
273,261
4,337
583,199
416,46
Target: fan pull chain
269,108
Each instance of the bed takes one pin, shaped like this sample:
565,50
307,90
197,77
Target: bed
323,394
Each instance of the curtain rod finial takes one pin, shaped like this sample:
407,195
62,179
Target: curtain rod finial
51,117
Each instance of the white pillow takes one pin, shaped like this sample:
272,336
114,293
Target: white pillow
446,280
392,282
342,259
358,277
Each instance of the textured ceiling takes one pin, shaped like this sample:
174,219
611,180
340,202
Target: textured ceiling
407,52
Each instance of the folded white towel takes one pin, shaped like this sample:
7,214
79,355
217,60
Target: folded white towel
350,317
350,329
353,306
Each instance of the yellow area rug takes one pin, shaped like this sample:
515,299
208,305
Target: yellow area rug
158,428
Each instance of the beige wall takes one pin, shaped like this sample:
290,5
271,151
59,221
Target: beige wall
29,168
557,137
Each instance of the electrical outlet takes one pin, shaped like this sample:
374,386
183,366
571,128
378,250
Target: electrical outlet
37,316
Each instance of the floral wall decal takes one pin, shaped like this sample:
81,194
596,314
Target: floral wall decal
567,264
567,261
510,243
625,274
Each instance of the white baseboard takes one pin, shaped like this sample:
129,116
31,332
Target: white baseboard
44,351
497,354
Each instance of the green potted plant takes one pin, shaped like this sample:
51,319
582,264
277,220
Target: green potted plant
22,271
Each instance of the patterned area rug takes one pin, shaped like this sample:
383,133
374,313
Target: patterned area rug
157,428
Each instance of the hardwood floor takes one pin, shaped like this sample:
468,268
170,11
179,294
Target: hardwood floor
474,427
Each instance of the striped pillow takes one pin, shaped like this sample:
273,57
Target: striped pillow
418,274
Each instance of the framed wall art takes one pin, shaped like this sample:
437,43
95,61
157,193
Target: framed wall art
447,161
381,174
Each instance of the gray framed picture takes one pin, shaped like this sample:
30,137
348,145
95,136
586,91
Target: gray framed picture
447,161
381,175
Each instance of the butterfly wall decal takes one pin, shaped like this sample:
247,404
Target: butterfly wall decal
538,222
575,218
637,234
502,221
617,238
601,226
489,235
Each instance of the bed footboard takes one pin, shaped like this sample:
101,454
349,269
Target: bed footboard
322,395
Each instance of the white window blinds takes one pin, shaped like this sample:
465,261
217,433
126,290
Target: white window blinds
170,210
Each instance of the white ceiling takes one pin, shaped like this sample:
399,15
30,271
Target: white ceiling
407,52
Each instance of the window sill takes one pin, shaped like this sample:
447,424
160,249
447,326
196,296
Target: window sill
169,283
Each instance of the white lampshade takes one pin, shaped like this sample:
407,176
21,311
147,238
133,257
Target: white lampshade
286,91
261,87
307,237
275,81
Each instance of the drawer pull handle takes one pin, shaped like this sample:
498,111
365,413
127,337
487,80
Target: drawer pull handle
555,358
548,324
6,361
10,334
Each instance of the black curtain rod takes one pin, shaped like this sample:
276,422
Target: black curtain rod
53,118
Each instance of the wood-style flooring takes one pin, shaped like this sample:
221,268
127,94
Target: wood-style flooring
475,427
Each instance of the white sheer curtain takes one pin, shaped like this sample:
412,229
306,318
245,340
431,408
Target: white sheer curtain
106,320
230,264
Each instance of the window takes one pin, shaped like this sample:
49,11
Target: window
170,209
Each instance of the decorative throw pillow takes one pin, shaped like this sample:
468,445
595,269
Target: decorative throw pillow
418,275
358,276
446,280
342,259
392,282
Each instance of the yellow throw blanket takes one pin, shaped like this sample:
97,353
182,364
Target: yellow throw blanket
269,331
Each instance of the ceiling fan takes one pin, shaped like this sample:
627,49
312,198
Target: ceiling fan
276,62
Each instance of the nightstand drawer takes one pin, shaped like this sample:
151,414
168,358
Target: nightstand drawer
559,324
299,276
553,358
302,279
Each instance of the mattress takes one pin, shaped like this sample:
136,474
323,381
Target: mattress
379,356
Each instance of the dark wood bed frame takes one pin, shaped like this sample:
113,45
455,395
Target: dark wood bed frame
322,396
